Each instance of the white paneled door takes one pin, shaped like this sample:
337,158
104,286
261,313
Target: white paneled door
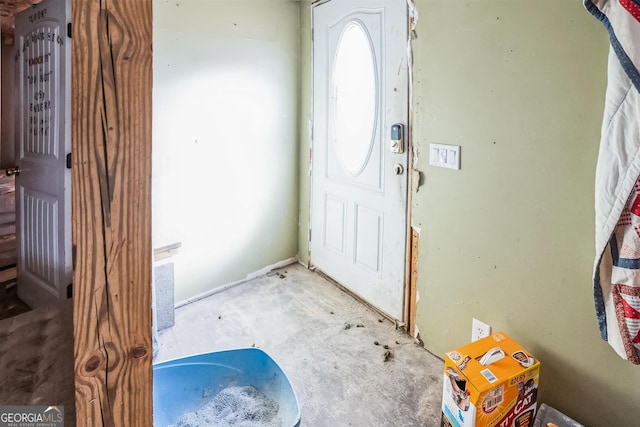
43,183
359,161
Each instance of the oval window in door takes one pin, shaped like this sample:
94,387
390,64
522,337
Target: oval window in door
355,97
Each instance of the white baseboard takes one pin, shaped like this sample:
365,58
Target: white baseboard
249,276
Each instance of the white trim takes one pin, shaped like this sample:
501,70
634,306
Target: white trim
249,276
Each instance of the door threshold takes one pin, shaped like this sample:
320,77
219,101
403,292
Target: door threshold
399,324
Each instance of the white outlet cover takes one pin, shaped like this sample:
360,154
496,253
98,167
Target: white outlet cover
479,330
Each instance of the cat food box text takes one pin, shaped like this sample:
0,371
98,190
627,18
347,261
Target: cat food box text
492,382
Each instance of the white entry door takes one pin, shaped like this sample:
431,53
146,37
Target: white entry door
359,178
43,182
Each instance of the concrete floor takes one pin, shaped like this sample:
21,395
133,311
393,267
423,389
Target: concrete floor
325,341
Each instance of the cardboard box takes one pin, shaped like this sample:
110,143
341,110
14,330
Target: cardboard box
490,382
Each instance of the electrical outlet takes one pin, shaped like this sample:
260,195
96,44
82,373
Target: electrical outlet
479,330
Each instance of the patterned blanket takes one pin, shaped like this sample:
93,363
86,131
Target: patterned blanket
616,277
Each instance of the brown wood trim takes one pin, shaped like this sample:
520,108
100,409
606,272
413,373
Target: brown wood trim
413,282
408,308
409,294
111,180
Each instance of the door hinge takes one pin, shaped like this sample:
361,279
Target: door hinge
70,290
69,29
68,161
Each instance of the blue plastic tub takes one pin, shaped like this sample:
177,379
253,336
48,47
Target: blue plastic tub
186,384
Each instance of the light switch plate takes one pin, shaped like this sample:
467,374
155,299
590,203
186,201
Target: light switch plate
444,156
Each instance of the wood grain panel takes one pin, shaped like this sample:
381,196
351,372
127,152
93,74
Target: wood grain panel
413,282
111,145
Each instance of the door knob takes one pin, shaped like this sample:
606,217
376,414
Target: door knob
398,169
13,171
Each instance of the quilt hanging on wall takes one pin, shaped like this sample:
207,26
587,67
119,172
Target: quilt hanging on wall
616,278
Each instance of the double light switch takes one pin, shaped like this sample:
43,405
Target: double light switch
445,156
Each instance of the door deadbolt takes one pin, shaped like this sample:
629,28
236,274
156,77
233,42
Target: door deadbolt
398,169
397,139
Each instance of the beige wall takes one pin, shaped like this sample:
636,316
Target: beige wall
225,121
509,238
